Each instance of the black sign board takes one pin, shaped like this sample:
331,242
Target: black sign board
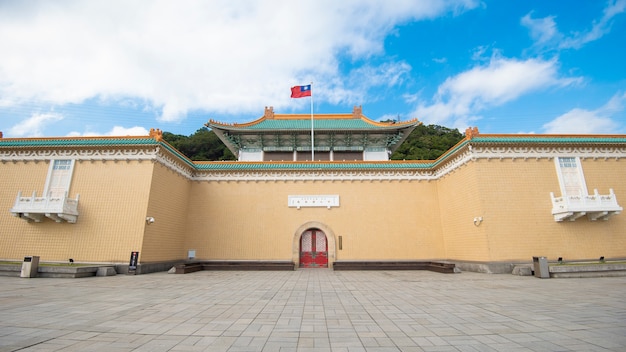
134,256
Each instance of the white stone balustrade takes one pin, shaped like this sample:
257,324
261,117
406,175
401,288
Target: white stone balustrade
34,208
596,206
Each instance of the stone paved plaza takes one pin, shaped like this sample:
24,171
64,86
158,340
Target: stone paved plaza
313,310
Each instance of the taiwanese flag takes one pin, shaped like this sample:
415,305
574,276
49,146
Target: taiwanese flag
301,91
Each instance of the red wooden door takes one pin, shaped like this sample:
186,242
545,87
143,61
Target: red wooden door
313,250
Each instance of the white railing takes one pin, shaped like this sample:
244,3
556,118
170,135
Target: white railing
34,208
595,206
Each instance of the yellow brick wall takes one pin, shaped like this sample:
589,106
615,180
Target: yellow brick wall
112,208
168,203
517,211
513,198
17,237
460,201
516,207
590,240
377,220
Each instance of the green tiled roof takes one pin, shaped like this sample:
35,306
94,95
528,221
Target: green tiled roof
320,124
548,139
92,142
388,165
69,142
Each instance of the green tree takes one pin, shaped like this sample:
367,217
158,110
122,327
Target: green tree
204,145
427,143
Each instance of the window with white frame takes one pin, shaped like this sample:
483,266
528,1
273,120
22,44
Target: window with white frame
571,177
59,178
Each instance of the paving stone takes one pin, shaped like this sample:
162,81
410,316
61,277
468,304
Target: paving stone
313,310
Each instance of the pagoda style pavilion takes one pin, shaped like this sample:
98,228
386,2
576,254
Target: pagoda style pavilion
290,137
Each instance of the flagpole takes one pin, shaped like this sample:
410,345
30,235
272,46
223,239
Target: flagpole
312,136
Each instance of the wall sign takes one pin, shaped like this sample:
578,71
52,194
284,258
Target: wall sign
327,201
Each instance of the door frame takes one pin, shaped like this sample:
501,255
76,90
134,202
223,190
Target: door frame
313,261
330,241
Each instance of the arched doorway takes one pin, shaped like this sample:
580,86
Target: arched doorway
317,226
313,249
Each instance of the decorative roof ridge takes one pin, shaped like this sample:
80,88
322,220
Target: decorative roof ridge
312,163
315,116
472,134
155,136
315,166
287,117
77,138
235,124
281,117
355,115
177,153
554,135
390,124
548,138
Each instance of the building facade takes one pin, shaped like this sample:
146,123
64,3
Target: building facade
328,137
489,200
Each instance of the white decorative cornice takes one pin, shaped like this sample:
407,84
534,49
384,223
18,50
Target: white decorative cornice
538,152
441,168
90,154
453,162
174,163
149,153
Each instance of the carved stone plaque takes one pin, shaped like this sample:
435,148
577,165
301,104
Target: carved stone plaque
300,201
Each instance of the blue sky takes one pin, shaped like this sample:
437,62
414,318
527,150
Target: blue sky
83,68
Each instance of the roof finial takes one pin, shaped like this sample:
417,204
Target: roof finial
156,134
269,112
357,112
471,132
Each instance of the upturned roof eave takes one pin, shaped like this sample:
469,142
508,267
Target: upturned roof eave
289,130
371,124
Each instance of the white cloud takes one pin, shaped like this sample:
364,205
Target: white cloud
220,56
39,124
132,131
581,121
542,30
460,98
599,28
34,126
360,80
116,131
546,34
478,54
